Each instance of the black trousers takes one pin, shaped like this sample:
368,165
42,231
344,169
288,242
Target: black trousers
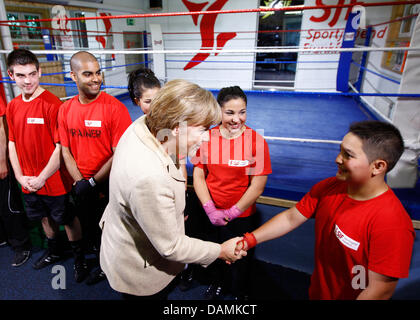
238,275
90,208
14,226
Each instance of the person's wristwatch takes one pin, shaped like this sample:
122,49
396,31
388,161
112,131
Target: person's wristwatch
92,181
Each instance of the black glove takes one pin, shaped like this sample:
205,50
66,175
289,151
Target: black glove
84,187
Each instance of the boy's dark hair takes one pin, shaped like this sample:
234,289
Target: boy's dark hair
21,57
229,93
141,79
381,140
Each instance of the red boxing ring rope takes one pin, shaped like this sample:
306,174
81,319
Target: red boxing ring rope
167,14
110,33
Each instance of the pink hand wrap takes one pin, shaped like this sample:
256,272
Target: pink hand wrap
232,213
216,216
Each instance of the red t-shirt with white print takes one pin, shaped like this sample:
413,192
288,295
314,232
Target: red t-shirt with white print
91,130
33,129
352,237
229,164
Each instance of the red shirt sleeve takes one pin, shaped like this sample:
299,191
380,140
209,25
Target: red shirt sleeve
53,118
391,243
9,118
121,121
197,160
261,165
62,127
2,107
308,204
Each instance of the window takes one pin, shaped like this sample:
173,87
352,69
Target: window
29,30
81,38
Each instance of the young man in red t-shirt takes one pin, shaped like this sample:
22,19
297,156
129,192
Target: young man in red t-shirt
363,235
90,126
34,151
13,226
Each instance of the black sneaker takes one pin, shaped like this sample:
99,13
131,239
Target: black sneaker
97,276
21,257
46,259
186,279
213,292
80,271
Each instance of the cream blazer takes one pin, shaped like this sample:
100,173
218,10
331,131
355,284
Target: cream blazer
144,245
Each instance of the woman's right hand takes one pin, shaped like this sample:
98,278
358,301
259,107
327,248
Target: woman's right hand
229,253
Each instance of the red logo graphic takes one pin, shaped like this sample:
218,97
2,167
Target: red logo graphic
207,24
59,21
107,23
337,12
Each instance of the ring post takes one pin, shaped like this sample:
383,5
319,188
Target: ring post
158,58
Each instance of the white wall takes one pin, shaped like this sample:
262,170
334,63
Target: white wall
326,34
225,69
215,72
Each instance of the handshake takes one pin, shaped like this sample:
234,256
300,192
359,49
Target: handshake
220,217
236,248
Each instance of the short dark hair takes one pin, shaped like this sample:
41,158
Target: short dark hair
139,80
229,93
21,57
381,140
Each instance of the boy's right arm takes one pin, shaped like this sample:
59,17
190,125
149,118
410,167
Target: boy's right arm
3,149
278,226
71,164
23,180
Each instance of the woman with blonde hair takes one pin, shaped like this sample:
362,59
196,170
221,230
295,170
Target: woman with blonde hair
144,245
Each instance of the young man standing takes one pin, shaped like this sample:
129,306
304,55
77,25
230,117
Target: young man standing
34,151
13,224
363,235
90,126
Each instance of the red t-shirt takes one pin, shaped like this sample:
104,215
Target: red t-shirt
2,107
91,130
33,129
352,237
229,165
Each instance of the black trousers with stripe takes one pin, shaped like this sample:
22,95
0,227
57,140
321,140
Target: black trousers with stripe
14,227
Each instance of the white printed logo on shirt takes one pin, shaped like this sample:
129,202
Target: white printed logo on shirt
35,120
346,240
93,123
238,163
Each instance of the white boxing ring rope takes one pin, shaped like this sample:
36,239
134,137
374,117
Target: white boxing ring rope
241,51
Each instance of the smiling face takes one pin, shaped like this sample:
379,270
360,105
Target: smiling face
88,78
195,136
234,115
146,99
26,77
190,138
352,161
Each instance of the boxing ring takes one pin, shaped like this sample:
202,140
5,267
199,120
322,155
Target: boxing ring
303,128
317,122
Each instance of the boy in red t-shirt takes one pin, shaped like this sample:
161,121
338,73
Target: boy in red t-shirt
230,174
363,235
90,126
34,150
13,226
